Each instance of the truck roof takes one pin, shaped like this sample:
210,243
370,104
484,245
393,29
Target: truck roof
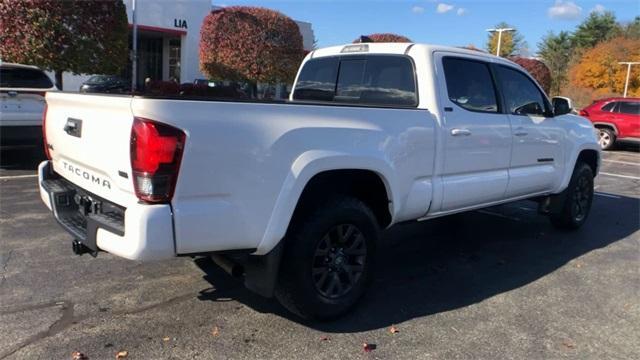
399,49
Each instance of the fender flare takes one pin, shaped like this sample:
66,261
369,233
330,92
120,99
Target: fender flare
574,159
611,125
303,169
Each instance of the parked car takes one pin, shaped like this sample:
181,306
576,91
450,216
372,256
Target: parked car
617,119
294,194
22,91
106,84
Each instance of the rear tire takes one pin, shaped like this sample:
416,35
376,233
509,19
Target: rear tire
578,197
328,259
606,138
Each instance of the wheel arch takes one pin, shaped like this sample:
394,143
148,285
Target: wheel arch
320,169
588,153
599,125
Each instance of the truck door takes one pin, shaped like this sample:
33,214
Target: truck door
476,135
537,154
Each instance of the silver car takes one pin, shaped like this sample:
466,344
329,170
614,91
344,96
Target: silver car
22,91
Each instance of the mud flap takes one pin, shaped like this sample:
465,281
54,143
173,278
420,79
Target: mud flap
261,272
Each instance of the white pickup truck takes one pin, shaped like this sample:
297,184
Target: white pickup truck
293,195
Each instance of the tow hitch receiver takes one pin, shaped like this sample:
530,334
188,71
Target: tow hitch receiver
79,248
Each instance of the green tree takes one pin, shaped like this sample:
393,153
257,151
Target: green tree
632,29
72,35
512,42
556,52
596,28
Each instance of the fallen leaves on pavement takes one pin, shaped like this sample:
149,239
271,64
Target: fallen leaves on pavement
368,347
77,355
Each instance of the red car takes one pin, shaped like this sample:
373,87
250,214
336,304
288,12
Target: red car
616,119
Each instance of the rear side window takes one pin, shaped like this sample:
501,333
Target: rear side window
371,80
11,77
609,107
627,107
521,95
470,85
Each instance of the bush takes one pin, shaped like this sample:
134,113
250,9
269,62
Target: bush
537,69
250,44
384,38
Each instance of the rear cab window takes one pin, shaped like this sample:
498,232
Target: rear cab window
16,77
372,80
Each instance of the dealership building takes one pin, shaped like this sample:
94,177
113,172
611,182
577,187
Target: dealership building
168,40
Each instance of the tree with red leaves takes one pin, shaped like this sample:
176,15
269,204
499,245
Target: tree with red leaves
250,44
537,69
72,35
384,38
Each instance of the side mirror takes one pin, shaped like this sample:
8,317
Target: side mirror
561,105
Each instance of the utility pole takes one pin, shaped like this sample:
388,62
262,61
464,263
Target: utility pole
629,64
499,31
134,57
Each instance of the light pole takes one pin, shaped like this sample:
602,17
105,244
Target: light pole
499,31
626,83
134,57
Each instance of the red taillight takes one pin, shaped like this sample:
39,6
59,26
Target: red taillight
584,113
44,132
156,152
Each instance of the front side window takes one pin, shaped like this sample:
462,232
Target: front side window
365,80
628,107
470,85
521,95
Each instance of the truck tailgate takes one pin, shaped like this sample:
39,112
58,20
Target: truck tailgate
88,137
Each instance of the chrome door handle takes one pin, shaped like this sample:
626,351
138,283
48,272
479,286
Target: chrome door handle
460,132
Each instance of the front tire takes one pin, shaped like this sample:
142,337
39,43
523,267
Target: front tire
606,138
578,197
328,259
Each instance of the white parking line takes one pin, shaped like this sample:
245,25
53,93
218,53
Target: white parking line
620,176
622,162
18,177
608,195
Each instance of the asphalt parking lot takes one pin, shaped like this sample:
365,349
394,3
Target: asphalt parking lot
496,283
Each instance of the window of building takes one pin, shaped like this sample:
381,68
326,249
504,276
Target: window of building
521,95
174,60
370,80
469,85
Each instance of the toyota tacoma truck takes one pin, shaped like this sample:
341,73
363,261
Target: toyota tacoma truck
293,195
